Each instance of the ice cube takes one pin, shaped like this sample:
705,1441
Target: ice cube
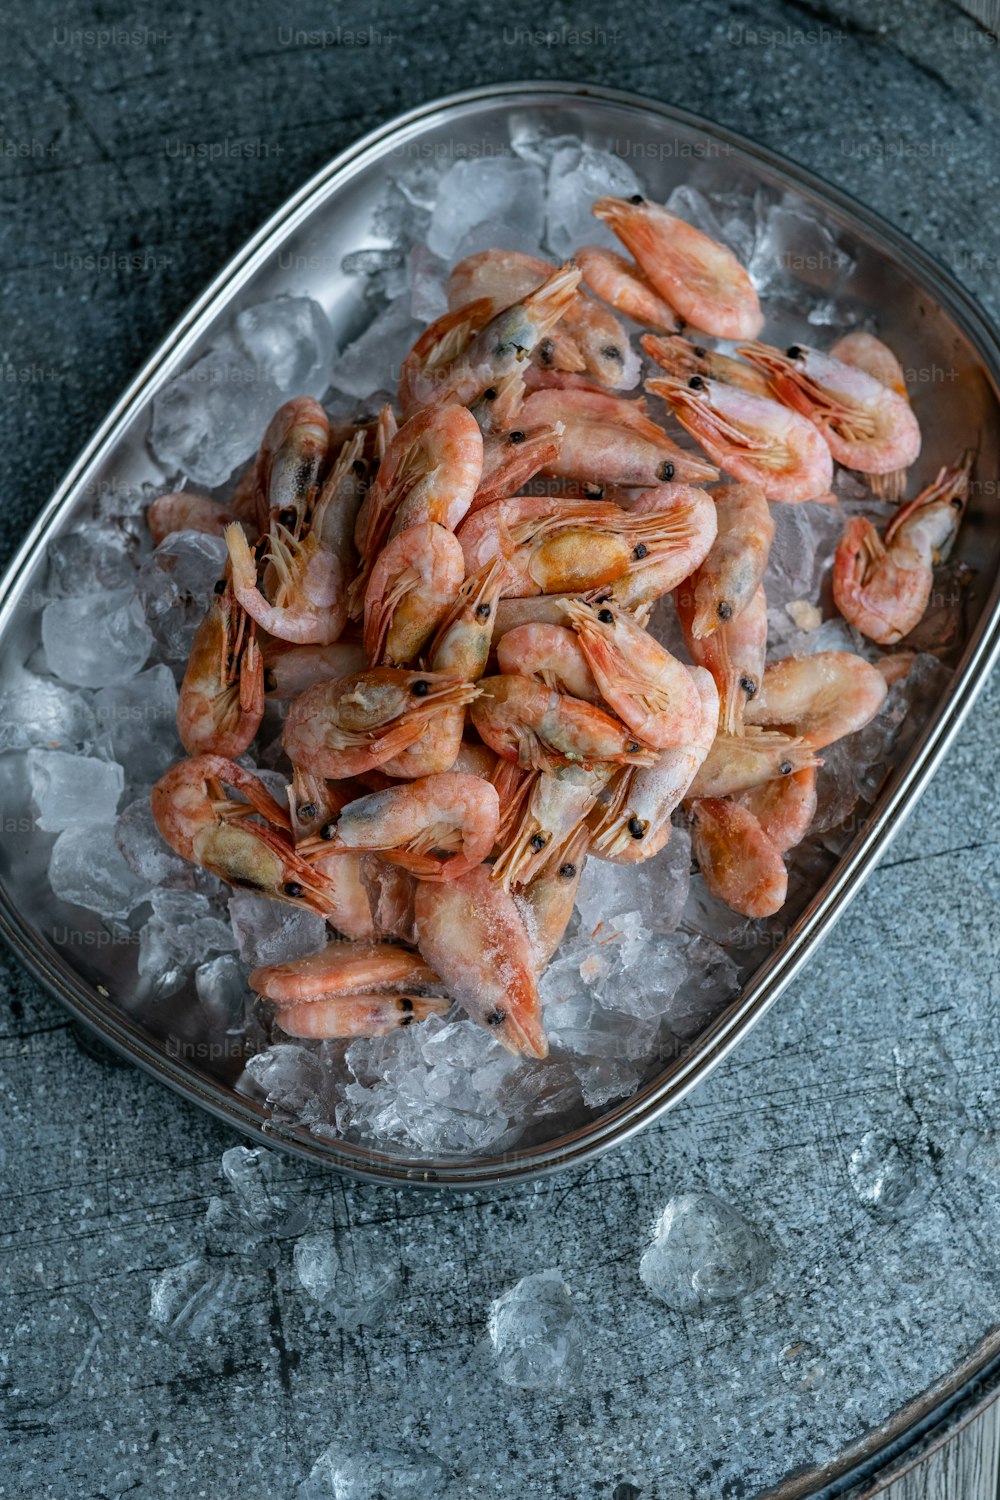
140,719
655,890
704,1253
181,932
538,1336
887,1175
72,789
222,991
502,189
176,585
256,1179
228,1232
212,416
37,711
290,342
493,236
269,932
795,257
730,218
188,1299
427,273
96,639
353,1282
144,851
341,1472
579,174
707,980
373,361
80,562
86,868
293,1081
606,1049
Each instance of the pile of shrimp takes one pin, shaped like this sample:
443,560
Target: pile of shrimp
450,600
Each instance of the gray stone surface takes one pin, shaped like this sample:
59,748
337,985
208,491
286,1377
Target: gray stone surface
884,1051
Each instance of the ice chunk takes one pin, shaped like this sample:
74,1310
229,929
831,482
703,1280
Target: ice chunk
579,174
96,639
269,932
502,189
707,981
290,342
228,1232
703,1253
805,537
187,1299
886,1175
384,272
538,1336
29,1374
607,1049
353,1282
255,1177
222,990
427,273
176,585
81,562
795,257
656,890
181,932
373,361
36,711
144,851
341,1472
492,236
212,416
293,1081
72,789
140,719
86,868
727,217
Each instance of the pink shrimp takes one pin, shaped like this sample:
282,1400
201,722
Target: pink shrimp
221,701
818,698
702,279
512,452
524,721
465,633
343,969
411,588
544,818
353,724
868,426
619,282
289,670
471,933
725,584
358,1015
186,510
757,440
683,524
286,472
784,808
548,899
739,863
683,359
734,654
736,763
611,440
863,351
551,653
882,585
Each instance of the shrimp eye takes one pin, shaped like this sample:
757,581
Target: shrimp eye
748,685
359,467
546,350
793,351
637,198
605,616
699,352
724,609
593,491
496,1017
270,681
288,517
292,888
307,810
640,550
490,394
665,471
632,747
785,768
611,351
405,1004
219,587
515,437
482,611
637,827
538,842
957,503
420,688
696,383
327,831
567,871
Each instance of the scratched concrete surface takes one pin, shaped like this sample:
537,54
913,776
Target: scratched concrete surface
892,1029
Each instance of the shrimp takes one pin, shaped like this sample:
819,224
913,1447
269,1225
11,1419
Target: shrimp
524,721
753,438
650,690
288,464
683,523
465,633
547,901
734,654
619,282
221,701
882,585
725,584
437,827
186,511
553,655
512,453
736,763
784,808
539,609
702,279
289,670
863,351
390,890
465,352
739,863
358,1015
818,698
868,426
314,803
631,821
610,440
412,586
203,825
343,969
679,357
352,724
430,472
471,932
544,818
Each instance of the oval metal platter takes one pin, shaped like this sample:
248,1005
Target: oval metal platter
921,311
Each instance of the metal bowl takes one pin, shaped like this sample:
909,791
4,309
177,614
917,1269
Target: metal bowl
924,314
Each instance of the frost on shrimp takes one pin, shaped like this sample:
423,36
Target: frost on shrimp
287,468
702,279
473,935
819,698
739,863
735,763
351,989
